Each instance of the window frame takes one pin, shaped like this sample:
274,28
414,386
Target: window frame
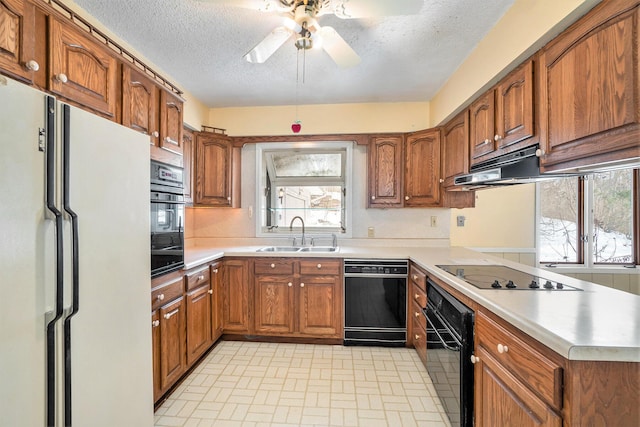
585,258
345,231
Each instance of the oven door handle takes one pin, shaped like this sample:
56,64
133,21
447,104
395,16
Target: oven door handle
440,338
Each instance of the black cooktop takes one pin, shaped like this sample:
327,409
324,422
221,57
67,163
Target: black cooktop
501,277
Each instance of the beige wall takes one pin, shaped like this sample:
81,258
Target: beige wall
322,119
523,29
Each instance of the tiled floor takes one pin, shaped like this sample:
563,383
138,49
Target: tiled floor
264,384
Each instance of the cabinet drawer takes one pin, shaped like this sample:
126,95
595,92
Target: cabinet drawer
166,293
418,296
420,341
320,266
418,277
197,278
415,313
540,373
273,266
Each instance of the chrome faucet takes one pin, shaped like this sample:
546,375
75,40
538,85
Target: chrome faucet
291,227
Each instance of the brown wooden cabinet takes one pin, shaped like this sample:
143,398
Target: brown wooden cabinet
188,149
590,90
455,148
156,351
17,44
515,383
298,297
236,297
171,113
199,316
422,169
503,116
217,285
83,71
216,171
385,171
173,361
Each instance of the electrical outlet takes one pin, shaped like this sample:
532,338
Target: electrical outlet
434,221
460,220
371,232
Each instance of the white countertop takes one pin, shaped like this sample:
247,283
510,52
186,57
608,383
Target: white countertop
598,323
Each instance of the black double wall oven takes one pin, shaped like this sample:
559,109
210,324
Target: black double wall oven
167,218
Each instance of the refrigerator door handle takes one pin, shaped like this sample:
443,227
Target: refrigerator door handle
50,197
75,254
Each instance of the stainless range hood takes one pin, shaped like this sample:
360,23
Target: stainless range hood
519,167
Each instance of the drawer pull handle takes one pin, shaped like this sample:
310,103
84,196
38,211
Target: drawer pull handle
62,78
497,137
302,285
290,284
210,291
170,314
32,65
200,277
319,266
155,134
474,359
417,337
155,323
273,266
160,297
502,348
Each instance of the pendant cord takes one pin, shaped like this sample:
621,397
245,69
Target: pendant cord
297,81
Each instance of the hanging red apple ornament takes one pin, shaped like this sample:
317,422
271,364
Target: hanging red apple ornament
296,126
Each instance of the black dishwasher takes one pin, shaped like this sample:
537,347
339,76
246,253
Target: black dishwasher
449,350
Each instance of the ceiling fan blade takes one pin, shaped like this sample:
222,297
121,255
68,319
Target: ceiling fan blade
338,49
261,5
351,9
269,45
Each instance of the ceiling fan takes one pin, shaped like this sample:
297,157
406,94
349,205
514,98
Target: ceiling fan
301,24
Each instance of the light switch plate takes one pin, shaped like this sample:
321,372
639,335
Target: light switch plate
460,220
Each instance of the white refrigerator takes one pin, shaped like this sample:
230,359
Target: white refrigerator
75,328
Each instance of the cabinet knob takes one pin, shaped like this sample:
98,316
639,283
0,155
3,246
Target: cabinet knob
474,359
215,271
373,197
441,180
200,277
273,266
407,197
155,323
155,134
62,78
497,137
229,199
319,266
32,65
416,337
290,284
540,152
502,348
160,297
416,296
486,141
415,277
210,291
416,314
302,285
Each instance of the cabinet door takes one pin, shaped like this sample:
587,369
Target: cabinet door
140,104
17,39
590,89
156,351
481,126
213,170
319,306
170,122
236,297
274,305
422,169
173,361
216,300
501,400
455,148
385,171
82,70
514,107
187,156
198,322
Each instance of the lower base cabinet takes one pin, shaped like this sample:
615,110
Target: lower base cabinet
173,361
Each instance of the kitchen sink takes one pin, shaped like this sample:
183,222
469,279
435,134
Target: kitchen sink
298,249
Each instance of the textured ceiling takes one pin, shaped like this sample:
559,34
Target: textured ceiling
201,45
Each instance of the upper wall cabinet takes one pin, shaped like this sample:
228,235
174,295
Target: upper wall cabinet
82,70
590,90
217,165
17,49
455,148
503,116
188,151
170,122
422,169
385,171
